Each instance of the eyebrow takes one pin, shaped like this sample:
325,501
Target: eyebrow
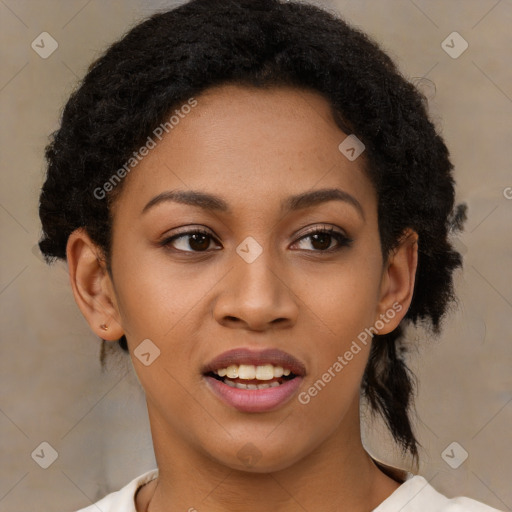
211,202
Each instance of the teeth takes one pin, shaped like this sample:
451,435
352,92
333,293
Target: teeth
246,371
232,372
239,385
249,372
265,372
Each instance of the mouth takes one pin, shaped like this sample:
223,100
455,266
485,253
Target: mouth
254,381
227,376
240,365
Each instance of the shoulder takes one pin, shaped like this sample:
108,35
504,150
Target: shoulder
417,495
124,498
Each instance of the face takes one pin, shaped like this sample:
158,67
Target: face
303,276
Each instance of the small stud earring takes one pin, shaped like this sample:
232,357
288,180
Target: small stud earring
104,327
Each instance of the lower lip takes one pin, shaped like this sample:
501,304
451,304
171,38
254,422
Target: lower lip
254,400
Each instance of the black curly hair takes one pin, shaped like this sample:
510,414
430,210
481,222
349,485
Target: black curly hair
177,54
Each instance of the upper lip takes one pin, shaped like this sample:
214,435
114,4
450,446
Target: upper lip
242,355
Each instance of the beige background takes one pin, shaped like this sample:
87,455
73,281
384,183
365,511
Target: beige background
52,388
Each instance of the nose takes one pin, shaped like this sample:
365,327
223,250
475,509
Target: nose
257,296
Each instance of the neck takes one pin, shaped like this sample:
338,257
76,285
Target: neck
337,475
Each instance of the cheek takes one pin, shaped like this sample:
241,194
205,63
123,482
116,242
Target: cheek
155,296
342,308
340,338
341,351
345,298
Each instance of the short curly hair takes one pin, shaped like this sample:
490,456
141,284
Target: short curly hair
177,54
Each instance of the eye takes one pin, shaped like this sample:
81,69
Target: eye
322,238
198,241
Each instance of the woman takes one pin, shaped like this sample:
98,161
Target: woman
253,203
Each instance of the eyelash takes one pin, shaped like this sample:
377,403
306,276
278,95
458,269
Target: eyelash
343,240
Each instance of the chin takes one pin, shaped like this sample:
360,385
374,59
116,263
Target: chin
251,459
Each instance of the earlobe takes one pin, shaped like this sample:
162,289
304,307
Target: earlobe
92,286
398,278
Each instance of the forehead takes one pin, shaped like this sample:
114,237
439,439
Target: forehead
246,143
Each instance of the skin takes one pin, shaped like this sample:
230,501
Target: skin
254,148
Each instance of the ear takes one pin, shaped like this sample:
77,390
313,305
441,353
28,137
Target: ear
397,283
92,286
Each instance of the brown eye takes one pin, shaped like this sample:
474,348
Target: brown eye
321,240
198,241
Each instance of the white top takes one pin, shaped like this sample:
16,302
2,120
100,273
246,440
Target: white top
414,495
